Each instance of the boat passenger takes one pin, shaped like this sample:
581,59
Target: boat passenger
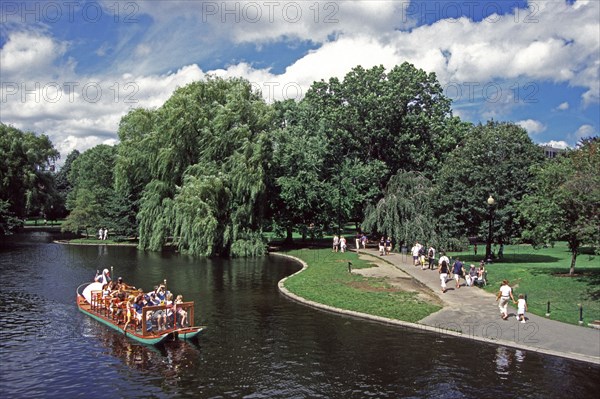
169,305
160,316
129,311
181,313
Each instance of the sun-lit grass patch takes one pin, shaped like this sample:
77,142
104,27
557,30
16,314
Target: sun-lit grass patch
328,281
543,276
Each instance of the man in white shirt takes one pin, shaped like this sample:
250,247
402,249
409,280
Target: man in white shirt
504,295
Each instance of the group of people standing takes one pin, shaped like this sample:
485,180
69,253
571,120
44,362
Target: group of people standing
340,244
102,233
421,256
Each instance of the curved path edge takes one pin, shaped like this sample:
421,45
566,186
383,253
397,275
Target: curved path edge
421,327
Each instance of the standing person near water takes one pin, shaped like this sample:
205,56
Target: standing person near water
504,295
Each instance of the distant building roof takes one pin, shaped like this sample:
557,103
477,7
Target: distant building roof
552,152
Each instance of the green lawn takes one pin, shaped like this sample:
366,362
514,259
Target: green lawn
327,281
537,273
97,241
40,222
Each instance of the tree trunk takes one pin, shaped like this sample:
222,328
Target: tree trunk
289,238
573,259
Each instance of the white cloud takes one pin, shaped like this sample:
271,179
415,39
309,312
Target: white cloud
30,53
532,126
585,131
502,52
556,144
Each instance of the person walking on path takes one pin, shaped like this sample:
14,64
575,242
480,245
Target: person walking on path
458,270
431,257
357,241
521,308
336,243
504,295
443,271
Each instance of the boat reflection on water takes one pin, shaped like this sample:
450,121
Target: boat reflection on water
168,358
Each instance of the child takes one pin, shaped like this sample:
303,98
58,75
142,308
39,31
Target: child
521,308
181,313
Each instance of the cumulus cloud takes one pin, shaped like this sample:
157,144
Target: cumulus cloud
532,126
585,131
495,64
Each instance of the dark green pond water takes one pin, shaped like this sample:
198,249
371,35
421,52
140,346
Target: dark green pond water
258,343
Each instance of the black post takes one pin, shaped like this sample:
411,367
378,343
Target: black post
349,267
488,247
580,314
548,310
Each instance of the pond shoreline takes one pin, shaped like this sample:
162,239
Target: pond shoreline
450,320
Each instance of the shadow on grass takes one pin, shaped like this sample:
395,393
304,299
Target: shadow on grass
588,276
514,258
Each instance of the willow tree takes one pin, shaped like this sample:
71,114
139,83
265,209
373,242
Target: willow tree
405,212
209,152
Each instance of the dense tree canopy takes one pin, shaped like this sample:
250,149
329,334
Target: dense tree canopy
336,150
201,159
215,165
26,180
92,195
565,202
493,159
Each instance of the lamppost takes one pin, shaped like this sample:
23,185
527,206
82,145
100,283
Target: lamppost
488,247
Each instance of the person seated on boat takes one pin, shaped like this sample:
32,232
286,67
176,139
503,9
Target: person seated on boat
161,293
160,315
129,311
118,304
170,315
123,286
182,314
114,287
138,305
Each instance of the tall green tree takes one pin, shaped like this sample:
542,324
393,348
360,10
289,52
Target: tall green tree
92,195
135,158
26,180
338,147
63,186
565,202
493,159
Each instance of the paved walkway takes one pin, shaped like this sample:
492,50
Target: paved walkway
473,313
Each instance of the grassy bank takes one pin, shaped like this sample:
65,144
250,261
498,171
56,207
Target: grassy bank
542,276
327,281
95,241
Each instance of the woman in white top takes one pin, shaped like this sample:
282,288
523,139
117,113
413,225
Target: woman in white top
504,295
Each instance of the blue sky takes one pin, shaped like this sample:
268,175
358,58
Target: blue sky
73,69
